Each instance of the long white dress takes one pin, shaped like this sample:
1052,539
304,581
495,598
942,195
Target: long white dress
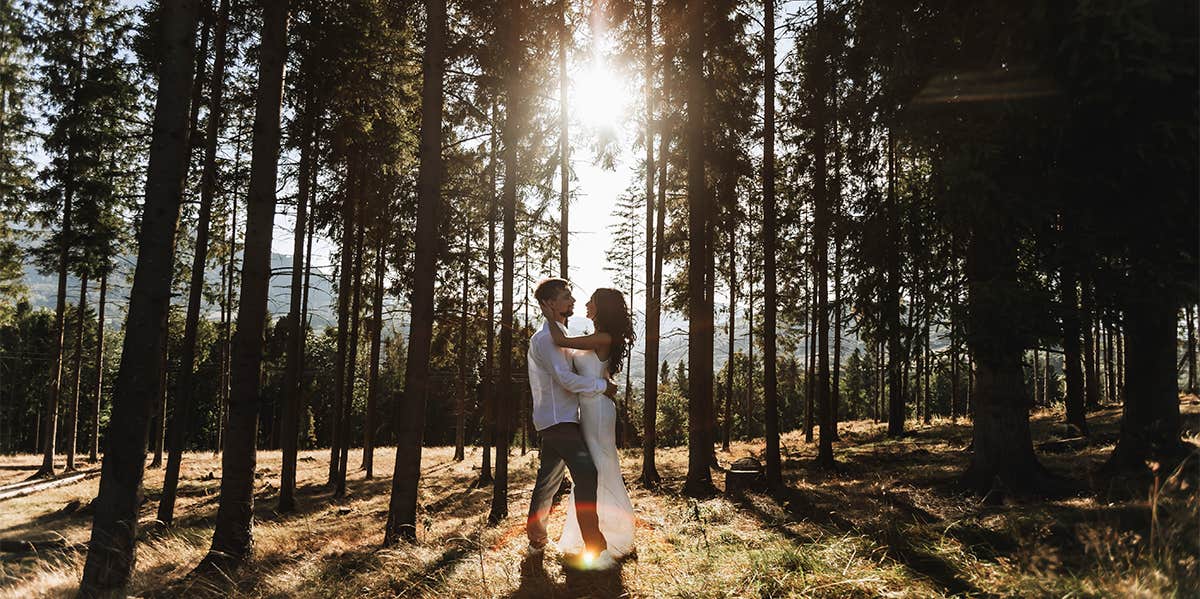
597,422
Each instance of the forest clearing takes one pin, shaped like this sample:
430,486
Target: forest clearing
312,298
890,522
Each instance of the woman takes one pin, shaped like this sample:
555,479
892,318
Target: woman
600,355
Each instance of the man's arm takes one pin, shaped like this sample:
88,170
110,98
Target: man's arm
552,359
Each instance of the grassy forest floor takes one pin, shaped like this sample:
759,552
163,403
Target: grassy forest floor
891,522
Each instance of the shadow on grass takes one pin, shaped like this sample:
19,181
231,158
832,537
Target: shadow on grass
823,509
536,583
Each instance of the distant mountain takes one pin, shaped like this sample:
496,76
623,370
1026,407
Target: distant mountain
43,287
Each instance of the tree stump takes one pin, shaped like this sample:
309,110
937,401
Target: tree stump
743,475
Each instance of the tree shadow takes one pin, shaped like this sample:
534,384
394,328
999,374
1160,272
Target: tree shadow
823,510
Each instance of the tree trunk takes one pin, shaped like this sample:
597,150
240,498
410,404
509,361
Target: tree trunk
1191,348
293,384
353,341
1091,386
94,453
650,478
110,556
821,220
699,475
650,396
489,390
460,408
1003,447
1150,423
510,34
1110,371
402,510
233,537
73,420
774,470
731,364
159,431
368,459
1071,368
810,368
50,410
891,304
182,423
564,144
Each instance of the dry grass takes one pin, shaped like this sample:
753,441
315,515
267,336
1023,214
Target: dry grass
890,522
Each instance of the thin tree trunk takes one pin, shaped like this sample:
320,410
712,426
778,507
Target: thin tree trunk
158,437
180,429
50,410
750,429
774,470
821,220
810,364
402,510
353,342
1189,314
94,453
564,144
110,555
460,408
1110,369
343,326
1091,386
73,421
731,363
233,536
368,460
489,389
891,307
649,477
293,385
1071,367
510,36
953,369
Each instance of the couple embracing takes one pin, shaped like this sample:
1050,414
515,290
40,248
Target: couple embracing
573,410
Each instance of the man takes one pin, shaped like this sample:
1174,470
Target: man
556,388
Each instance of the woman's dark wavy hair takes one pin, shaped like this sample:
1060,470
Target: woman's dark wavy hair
613,317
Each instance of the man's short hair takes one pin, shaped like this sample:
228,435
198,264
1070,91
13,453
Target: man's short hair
548,289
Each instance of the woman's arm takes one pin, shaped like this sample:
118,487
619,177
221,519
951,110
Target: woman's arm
595,342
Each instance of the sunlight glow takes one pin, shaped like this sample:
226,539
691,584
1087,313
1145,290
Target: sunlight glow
600,99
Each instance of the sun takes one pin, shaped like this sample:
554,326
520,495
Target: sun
600,96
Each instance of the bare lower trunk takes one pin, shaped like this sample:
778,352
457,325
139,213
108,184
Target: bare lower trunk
110,556
1150,423
368,459
770,388
649,476
233,536
1071,346
1003,455
293,384
182,424
410,424
488,433
700,448
73,419
98,392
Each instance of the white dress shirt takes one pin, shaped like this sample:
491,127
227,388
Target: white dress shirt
554,385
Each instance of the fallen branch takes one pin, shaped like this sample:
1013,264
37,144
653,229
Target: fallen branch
20,490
